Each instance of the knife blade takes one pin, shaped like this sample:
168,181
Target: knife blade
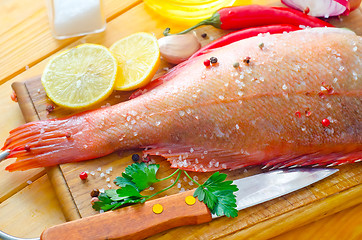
140,221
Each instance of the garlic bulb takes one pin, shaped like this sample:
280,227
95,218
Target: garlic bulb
178,48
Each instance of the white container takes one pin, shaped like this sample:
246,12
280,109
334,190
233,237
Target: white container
71,18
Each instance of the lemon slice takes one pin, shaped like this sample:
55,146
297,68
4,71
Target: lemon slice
138,58
81,76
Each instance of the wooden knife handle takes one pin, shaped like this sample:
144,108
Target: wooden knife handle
133,222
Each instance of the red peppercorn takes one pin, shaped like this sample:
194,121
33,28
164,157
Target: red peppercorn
207,62
326,122
146,159
68,134
83,175
27,148
298,114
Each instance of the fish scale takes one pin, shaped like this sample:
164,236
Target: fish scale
230,117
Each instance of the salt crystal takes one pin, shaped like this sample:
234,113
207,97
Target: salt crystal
102,175
182,190
237,126
284,87
101,190
191,183
108,179
355,77
158,123
101,211
354,49
151,188
109,185
29,182
195,178
181,113
191,150
178,185
92,173
99,169
221,97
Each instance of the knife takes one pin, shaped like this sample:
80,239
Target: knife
143,220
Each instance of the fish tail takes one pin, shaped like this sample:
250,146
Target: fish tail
51,142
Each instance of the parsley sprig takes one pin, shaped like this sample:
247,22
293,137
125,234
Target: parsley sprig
215,192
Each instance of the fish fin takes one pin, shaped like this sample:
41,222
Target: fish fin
316,160
52,142
198,159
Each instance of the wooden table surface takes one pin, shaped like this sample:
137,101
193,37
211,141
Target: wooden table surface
25,46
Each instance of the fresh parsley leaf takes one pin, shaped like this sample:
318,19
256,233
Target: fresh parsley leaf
128,191
218,195
138,175
104,203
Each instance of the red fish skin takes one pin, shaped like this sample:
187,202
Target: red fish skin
218,117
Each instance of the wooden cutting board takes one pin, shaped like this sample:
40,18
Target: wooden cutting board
263,221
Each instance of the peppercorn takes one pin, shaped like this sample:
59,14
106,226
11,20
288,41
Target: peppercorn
94,193
146,159
326,122
135,157
93,200
68,134
213,60
83,175
236,65
50,108
246,60
207,62
261,45
27,148
204,35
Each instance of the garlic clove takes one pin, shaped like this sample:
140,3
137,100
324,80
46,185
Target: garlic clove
178,48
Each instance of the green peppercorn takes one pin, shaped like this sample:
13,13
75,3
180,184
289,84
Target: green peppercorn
236,65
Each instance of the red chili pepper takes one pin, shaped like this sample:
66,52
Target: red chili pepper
231,18
243,34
